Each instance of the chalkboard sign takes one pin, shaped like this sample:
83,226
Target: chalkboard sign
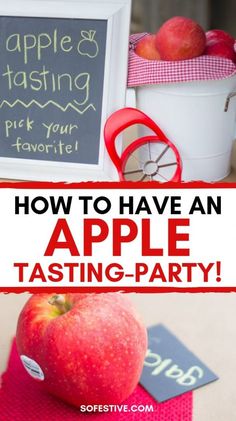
55,87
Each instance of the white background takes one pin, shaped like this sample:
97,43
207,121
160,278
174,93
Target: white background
24,238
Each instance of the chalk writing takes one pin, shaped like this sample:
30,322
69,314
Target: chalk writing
51,88
58,148
69,105
88,46
58,128
30,44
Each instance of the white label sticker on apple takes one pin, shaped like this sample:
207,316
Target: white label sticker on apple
32,367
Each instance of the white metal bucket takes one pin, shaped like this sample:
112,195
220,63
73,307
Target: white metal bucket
193,116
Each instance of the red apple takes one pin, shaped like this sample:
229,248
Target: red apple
217,35
85,348
221,49
146,48
180,38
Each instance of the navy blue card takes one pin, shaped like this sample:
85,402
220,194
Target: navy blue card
170,369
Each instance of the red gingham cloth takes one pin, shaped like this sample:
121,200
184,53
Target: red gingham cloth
23,399
150,72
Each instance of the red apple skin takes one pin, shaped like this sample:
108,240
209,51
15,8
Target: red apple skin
217,35
92,354
180,38
146,48
221,49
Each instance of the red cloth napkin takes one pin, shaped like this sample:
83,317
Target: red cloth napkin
22,399
150,72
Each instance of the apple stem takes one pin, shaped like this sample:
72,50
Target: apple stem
59,302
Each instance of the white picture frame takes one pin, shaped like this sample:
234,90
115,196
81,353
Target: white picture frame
117,14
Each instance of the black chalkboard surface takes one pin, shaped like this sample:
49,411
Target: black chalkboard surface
51,88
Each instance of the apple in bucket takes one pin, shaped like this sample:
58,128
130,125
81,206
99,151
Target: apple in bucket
180,38
218,35
146,48
83,348
221,49
220,43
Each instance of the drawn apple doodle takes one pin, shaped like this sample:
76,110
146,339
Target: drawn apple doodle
88,46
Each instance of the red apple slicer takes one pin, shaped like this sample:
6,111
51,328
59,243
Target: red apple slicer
149,158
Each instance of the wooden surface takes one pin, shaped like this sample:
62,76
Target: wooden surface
148,15
223,15
155,12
